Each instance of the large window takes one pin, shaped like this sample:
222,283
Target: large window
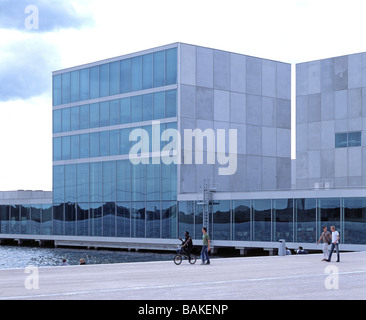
348,139
221,220
146,107
261,220
186,218
153,218
283,219
354,221
141,72
241,220
305,220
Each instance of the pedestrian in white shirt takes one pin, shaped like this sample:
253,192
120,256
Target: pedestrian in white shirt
335,244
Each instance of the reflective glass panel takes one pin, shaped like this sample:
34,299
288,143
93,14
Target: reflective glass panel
95,182
124,147
75,118
171,104
104,144
84,84
94,144
75,147
114,68
125,111
14,219
283,219
125,76
261,220
159,69
138,219
58,219
153,219
56,121
82,182
123,180
94,82
354,221
66,120
241,217
104,114
147,107
114,142
354,139
56,149
82,217
114,112
186,218
153,182
147,69
109,219
70,219
4,219
94,115
305,220
70,183
75,86
221,220
46,226
138,182
171,66
25,217
104,80
56,90
58,184
123,219
66,141
84,145
341,140
329,213
109,181
136,109
96,219
65,88
84,117
169,219
159,105
136,73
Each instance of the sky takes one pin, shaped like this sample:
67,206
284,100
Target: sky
41,36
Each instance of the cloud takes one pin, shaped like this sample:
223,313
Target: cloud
50,14
25,68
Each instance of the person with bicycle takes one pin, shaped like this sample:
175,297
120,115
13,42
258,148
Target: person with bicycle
187,244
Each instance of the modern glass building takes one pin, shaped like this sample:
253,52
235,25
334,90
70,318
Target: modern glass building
97,191
146,101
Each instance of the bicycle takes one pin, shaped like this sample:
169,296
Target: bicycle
180,256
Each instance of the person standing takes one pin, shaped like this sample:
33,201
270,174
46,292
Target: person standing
326,237
335,244
205,247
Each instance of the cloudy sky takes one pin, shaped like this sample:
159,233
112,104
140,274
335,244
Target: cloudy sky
73,32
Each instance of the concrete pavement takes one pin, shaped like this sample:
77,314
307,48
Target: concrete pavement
272,277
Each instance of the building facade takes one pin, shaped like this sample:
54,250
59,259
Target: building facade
176,107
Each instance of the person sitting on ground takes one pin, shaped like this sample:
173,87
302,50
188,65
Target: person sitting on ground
64,262
301,251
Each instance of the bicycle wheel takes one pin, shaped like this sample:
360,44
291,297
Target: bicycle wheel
192,259
178,259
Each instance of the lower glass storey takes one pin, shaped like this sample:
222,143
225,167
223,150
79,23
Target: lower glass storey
294,220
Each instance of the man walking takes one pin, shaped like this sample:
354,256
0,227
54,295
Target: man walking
326,237
335,243
205,247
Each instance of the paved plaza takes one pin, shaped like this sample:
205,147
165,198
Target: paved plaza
271,277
